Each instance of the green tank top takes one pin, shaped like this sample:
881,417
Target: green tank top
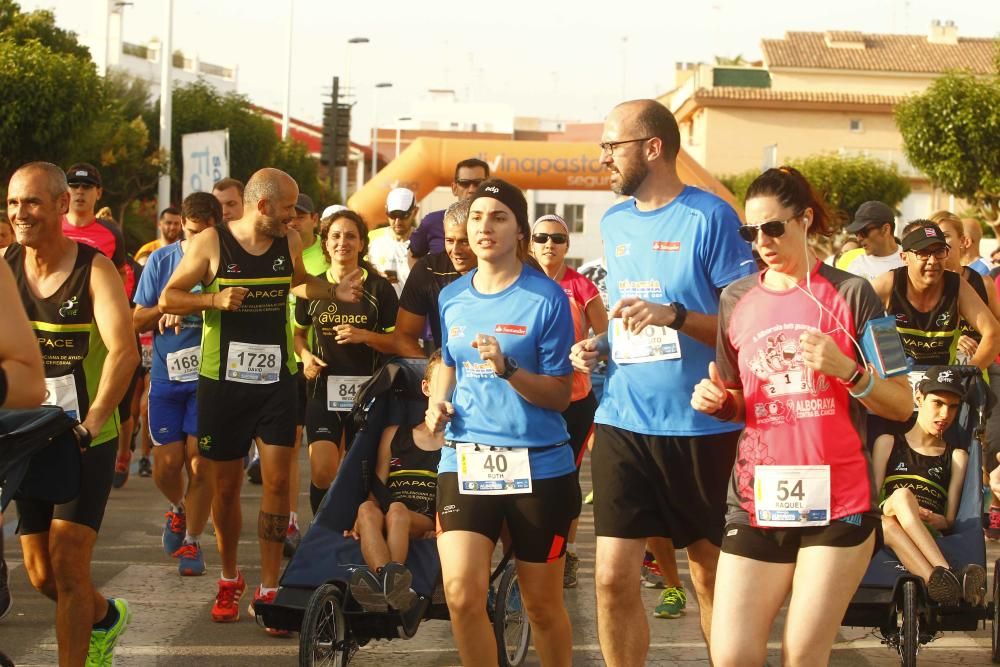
251,345
72,348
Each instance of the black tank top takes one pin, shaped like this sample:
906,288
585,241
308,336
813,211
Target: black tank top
976,282
412,473
928,338
253,344
927,477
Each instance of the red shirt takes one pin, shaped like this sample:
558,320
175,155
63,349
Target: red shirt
580,292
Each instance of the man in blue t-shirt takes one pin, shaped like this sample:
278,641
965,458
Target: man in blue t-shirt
173,417
429,236
660,467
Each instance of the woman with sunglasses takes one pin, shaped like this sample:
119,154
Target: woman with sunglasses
549,245
506,377
802,513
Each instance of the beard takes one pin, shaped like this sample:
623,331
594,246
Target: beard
271,227
630,180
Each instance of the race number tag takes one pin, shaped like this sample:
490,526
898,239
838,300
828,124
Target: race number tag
61,391
146,345
492,471
182,365
341,390
652,344
792,496
253,364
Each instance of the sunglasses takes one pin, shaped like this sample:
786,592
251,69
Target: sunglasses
542,237
469,182
772,228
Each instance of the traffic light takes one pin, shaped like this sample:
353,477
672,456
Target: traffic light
336,129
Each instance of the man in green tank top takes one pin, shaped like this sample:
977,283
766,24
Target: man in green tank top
74,300
247,378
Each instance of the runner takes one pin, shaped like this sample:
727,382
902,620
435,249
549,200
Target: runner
246,378
504,381
389,247
82,325
429,236
171,228
874,227
173,416
549,245
970,250
418,305
229,192
6,231
340,346
659,467
787,347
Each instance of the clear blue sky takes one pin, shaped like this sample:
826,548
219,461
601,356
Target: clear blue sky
551,58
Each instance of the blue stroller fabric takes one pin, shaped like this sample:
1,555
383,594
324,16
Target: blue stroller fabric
39,456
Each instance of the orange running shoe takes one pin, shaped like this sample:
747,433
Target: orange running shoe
227,602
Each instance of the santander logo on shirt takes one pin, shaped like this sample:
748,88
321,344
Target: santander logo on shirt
667,246
513,329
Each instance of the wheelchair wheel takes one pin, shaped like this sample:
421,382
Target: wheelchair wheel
510,621
322,635
909,635
995,634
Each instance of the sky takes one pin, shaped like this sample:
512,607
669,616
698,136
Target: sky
549,58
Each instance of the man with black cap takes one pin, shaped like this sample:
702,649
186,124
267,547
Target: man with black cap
873,226
929,301
81,224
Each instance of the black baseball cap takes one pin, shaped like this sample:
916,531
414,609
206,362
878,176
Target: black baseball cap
304,204
83,172
939,379
871,213
924,236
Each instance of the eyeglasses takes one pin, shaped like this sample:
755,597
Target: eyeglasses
542,237
939,252
772,228
610,146
863,233
469,182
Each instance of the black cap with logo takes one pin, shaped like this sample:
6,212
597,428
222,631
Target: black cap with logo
85,173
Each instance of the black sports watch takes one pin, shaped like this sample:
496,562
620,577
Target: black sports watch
509,368
680,315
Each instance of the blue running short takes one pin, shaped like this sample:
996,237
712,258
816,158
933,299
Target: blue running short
173,411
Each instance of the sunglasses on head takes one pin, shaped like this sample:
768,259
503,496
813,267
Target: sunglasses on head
469,182
772,228
542,237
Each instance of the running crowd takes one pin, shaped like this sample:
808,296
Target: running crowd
735,380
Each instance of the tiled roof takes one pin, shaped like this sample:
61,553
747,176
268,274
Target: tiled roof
771,95
881,53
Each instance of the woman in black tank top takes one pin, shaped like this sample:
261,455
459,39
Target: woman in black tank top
920,479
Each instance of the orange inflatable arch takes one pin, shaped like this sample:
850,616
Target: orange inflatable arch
430,162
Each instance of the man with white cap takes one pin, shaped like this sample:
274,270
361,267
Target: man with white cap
389,247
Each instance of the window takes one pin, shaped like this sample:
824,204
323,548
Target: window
544,209
573,215
857,125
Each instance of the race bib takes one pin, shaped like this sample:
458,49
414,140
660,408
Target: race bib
792,496
652,344
182,365
61,391
341,390
492,471
146,345
253,364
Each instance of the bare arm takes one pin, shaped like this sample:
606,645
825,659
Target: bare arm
551,392
385,453
439,407
959,464
198,265
597,317
145,319
113,320
20,357
409,328
637,314
883,288
881,451
973,310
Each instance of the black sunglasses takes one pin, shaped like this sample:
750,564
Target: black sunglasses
773,228
469,182
542,237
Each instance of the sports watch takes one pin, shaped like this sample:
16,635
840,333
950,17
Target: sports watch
509,368
680,314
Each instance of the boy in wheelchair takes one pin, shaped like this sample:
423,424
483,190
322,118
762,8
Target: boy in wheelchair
406,469
920,480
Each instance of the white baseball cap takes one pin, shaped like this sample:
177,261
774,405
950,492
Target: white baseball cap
330,210
399,199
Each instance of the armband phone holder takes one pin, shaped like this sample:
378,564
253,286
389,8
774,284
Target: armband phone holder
883,348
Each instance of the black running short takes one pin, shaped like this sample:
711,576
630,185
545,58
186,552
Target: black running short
134,385
538,522
231,414
579,417
97,471
661,486
323,424
781,545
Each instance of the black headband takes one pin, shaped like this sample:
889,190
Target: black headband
510,195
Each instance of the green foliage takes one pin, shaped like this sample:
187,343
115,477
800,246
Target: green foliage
40,26
951,132
293,157
844,182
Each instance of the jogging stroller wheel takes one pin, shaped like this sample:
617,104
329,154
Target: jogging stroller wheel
510,621
322,637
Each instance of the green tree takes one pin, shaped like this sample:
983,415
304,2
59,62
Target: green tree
951,132
845,182
293,157
20,28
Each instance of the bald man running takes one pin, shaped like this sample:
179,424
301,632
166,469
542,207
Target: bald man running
246,384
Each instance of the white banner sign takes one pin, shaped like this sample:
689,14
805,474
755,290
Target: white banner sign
206,160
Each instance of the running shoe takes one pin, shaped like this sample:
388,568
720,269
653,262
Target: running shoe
173,532
673,600
973,578
368,590
145,467
651,576
944,587
190,560
6,602
589,500
292,540
253,471
396,582
570,570
993,528
268,598
227,601
122,463
102,642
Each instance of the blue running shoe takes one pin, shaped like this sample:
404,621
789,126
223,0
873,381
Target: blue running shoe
190,560
173,532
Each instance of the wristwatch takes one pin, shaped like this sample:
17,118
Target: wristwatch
509,368
680,314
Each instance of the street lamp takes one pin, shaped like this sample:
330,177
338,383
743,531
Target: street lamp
383,84
347,92
401,119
